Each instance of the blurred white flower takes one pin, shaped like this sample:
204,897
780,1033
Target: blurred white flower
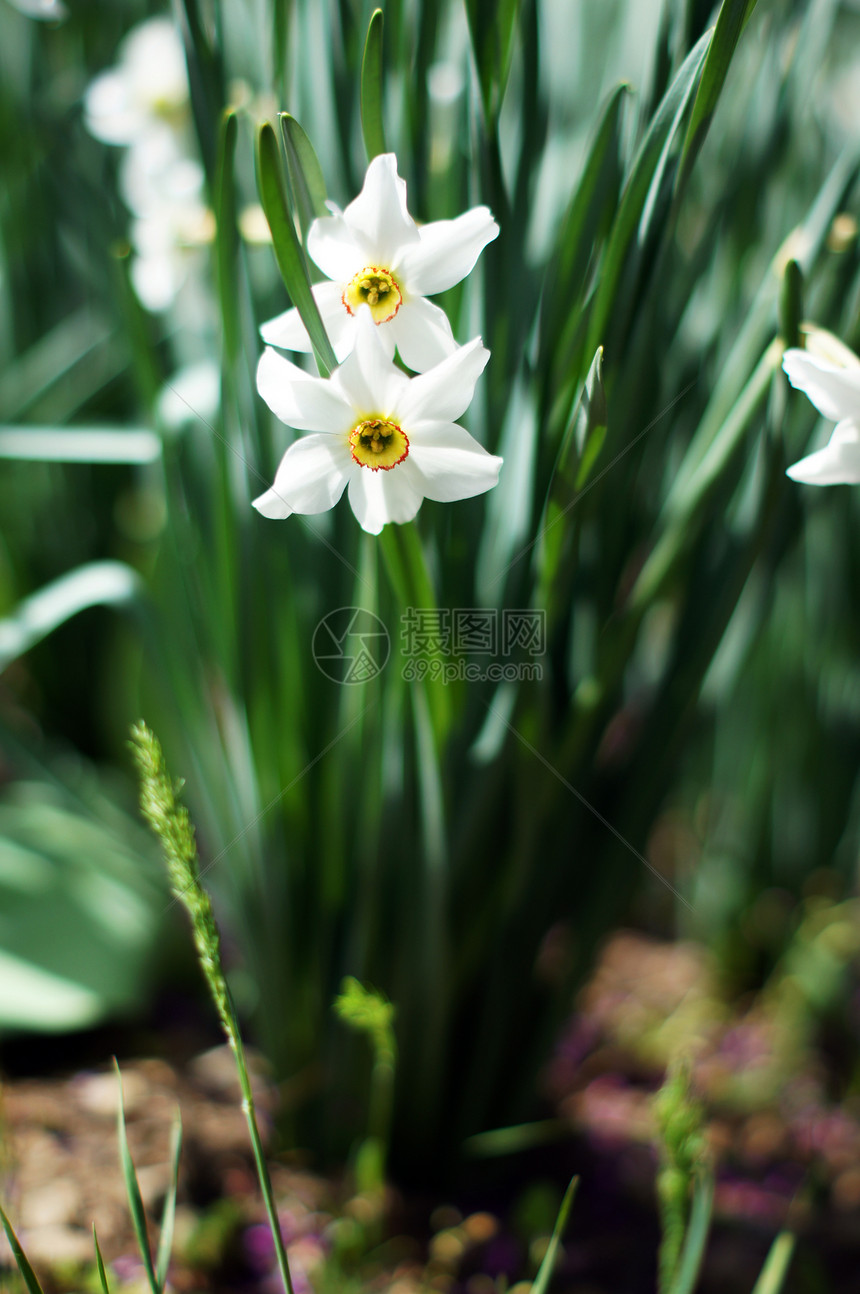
390,440
147,89
143,103
375,255
834,389
44,10
164,192
193,394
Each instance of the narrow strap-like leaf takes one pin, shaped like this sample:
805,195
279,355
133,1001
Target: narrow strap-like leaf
80,444
546,1268
132,1189
27,1273
288,252
304,173
696,1237
647,164
492,25
371,89
225,232
94,584
100,1263
588,214
776,1265
732,19
580,447
168,1216
791,304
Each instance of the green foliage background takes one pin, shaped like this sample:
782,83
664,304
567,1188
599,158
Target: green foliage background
463,847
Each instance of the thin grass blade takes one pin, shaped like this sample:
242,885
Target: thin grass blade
776,1265
492,24
80,444
135,1201
791,304
696,1237
732,19
580,448
74,343
304,173
226,241
684,509
168,1216
649,160
95,584
545,1270
100,1263
586,221
27,1273
288,251
372,127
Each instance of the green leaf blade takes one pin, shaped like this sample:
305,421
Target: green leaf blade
632,218
35,617
589,211
372,127
226,240
696,1237
100,1264
80,444
132,1187
776,1265
168,1216
732,19
547,1265
492,25
288,252
304,173
27,1273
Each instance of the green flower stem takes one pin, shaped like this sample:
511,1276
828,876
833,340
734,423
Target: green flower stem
170,822
432,711
235,1041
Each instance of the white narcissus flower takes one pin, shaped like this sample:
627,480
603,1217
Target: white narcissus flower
375,255
834,389
389,439
147,89
143,103
164,192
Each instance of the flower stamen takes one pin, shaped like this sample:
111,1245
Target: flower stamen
376,288
377,443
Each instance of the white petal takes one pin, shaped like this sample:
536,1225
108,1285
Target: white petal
301,401
193,393
379,497
109,111
378,216
446,251
272,505
333,247
156,278
446,391
154,61
368,379
422,334
451,463
311,476
837,464
834,391
287,330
